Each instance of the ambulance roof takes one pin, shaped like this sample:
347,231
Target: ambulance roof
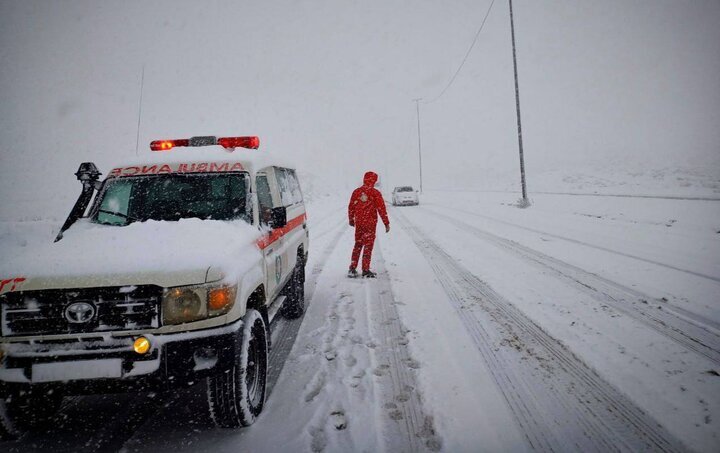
195,159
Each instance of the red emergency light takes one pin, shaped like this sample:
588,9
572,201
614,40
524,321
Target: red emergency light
225,142
239,142
167,145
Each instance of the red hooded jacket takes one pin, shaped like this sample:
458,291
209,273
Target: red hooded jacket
366,203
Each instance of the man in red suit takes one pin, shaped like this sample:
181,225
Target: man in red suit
366,203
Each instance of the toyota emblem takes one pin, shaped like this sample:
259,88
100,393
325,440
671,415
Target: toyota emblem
79,312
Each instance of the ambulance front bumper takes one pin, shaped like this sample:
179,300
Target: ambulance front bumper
112,365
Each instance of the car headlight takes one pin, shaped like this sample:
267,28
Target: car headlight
193,303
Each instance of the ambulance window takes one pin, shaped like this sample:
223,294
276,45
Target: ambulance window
285,195
264,199
114,207
289,188
294,186
174,197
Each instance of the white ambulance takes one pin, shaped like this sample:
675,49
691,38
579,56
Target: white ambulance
167,272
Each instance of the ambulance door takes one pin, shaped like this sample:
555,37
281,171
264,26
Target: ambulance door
272,241
292,200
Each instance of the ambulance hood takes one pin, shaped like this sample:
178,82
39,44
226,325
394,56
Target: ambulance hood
186,252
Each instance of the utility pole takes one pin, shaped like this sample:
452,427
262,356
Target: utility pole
142,86
525,201
417,106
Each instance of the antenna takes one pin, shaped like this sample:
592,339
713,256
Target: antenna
142,85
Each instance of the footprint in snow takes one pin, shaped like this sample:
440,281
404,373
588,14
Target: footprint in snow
350,361
315,387
356,379
380,370
319,439
338,420
411,363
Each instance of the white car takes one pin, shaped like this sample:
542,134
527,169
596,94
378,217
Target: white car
404,196
167,272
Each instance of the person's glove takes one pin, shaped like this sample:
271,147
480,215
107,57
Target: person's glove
387,228
352,223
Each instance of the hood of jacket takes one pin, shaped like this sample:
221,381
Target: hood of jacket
370,179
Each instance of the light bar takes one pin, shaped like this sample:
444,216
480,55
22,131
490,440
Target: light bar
225,142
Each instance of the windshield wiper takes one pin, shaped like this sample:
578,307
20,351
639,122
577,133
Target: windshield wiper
119,214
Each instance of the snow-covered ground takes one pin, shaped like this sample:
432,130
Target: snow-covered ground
584,323
621,178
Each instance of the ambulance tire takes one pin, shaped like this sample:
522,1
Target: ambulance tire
237,396
294,305
22,413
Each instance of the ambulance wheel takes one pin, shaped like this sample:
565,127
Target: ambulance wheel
294,305
236,396
25,412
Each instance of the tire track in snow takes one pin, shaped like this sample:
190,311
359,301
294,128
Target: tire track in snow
587,244
692,334
413,428
559,403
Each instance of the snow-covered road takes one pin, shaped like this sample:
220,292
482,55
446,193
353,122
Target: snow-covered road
576,325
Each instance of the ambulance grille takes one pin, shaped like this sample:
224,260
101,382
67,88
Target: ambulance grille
50,312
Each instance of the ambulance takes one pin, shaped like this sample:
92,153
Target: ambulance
166,273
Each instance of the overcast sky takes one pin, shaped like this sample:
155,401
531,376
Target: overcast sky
330,83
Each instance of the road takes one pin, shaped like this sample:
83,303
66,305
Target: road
481,333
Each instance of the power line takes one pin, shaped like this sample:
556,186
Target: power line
466,55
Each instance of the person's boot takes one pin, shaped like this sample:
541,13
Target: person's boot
369,274
352,273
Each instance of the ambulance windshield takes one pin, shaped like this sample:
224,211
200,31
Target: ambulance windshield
207,196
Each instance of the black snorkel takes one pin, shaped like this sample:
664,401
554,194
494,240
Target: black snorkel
89,176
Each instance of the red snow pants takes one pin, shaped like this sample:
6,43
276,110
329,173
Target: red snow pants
364,241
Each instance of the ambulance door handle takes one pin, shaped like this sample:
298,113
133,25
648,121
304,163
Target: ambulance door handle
270,252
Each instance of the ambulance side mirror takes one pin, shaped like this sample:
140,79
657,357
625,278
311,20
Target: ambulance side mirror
279,217
89,176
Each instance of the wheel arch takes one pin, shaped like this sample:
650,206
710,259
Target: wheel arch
256,299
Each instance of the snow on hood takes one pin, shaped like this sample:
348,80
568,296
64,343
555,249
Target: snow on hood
163,253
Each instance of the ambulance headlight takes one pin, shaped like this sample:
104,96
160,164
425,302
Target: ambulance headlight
184,304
